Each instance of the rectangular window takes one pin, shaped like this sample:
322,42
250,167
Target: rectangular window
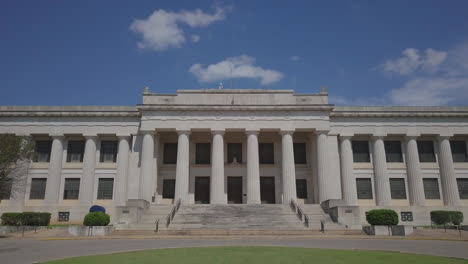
38,186
393,151
202,153
458,151
301,188
300,153
397,188
361,151
170,153
168,188
5,191
108,151
63,216
43,148
71,190
406,216
266,153
364,188
431,188
105,189
234,152
463,187
426,151
75,151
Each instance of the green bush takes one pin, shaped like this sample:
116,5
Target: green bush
382,217
96,219
440,217
456,217
11,219
26,219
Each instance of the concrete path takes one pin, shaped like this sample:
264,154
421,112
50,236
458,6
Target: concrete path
13,251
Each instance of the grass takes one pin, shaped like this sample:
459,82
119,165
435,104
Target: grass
258,255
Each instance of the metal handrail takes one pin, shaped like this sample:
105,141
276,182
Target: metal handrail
300,214
156,229
171,215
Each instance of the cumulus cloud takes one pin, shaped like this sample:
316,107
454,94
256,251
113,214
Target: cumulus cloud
235,67
162,29
413,60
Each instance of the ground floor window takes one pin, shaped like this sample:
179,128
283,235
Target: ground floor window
105,189
38,187
301,188
463,188
397,188
5,191
364,188
168,189
431,188
71,190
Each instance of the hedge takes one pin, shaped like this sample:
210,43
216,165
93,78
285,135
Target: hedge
441,217
26,219
96,219
382,217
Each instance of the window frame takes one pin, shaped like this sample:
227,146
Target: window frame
303,160
355,149
398,194
38,154
427,191
167,155
265,159
301,189
168,194
236,153
420,146
462,188
100,195
389,155
102,154
70,149
201,150
360,195
40,193
71,194
464,152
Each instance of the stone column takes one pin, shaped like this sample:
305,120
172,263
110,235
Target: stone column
381,181
253,168
288,167
322,160
348,183
217,169
447,172
413,172
122,171
55,171
86,195
19,184
182,169
147,166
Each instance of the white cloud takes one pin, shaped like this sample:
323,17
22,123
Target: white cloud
162,30
295,58
413,61
195,38
235,67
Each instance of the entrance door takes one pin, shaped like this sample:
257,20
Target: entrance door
202,190
234,190
267,190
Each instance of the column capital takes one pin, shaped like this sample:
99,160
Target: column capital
376,137
321,132
252,132
286,132
444,136
90,136
218,132
183,132
410,137
344,136
146,132
120,137
57,136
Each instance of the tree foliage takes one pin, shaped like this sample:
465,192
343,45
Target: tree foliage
382,217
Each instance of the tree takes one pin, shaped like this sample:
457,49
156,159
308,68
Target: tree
16,153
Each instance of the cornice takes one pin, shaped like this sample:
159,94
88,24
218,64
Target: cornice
69,111
398,111
194,107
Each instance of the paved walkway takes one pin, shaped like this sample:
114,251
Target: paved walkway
13,251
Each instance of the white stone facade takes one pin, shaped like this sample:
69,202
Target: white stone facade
247,117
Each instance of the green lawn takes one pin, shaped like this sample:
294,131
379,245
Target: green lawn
257,255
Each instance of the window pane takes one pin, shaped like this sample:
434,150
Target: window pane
361,151
364,188
38,186
393,151
426,151
463,188
168,188
72,189
266,153
170,153
5,190
43,151
431,188
301,188
397,188
203,153
300,153
234,151
105,189
108,151
75,151
458,151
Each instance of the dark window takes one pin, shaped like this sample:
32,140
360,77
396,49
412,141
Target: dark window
393,151
364,188
361,151
397,188
105,189
406,216
300,153
168,189
266,153
71,190
75,151
202,153
459,151
426,151
108,151
5,190
170,153
463,188
63,216
301,188
38,187
43,148
234,151
431,188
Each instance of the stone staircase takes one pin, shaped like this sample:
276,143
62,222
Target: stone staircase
316,214
148,219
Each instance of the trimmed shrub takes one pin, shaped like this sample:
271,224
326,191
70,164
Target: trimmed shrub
456,217
385,217
26,219
11,219
96,219
97,208
440,217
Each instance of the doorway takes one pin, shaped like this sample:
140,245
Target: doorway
267,190
234,190
202,190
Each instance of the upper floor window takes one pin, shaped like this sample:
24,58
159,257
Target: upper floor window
43,148
458,151
393,151
108,151
426,151
397,188
170,153
300,153
361,151
202,153
234,152
75,151
266,153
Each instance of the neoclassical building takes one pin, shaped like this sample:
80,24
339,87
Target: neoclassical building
241,146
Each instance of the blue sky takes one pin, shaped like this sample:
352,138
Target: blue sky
105,52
